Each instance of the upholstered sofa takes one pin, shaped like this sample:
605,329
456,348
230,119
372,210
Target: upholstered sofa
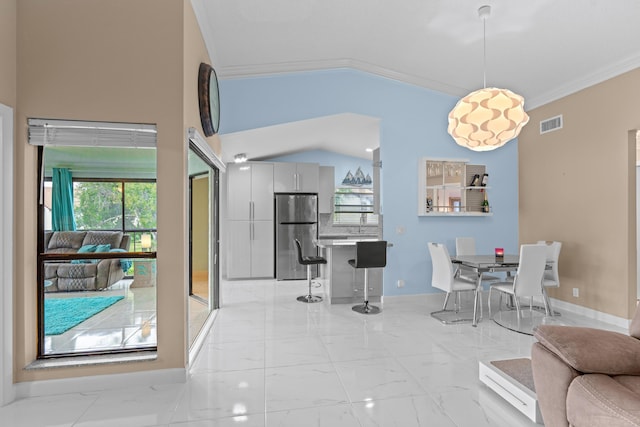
587,377
85,275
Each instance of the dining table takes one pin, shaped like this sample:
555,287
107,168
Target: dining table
482,264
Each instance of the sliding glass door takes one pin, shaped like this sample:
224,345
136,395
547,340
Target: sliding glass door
203,239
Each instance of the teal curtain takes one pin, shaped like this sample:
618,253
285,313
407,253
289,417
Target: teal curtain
62,200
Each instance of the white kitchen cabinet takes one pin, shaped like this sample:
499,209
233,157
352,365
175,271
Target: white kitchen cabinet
327,188
296,177
250,249
250,234
250,191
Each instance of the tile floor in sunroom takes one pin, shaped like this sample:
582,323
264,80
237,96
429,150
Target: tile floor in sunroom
270,360
128,323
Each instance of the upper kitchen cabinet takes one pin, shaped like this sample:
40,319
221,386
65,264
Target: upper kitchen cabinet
250,191
296,177
326,192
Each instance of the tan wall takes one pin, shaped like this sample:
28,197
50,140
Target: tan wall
8,52
120,61
200,215
577,185
195,52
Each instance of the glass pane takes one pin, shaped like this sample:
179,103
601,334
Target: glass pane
140,205
434,173
354,206
354,200
98,205
453,173
444,181
48,205
203,229
92,305
143,241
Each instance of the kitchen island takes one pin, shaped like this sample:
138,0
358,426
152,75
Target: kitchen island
344,283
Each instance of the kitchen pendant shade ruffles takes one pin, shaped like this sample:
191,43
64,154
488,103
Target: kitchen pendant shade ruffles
487,119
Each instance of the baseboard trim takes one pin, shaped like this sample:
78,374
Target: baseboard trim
591,313
100,382
556,304
201,338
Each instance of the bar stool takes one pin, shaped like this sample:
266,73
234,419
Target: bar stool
309,261
369,255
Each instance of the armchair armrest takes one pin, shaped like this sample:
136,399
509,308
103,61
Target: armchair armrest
590,350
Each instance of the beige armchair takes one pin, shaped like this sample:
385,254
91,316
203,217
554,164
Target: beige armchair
587,377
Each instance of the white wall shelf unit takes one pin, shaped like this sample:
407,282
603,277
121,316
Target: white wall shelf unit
452,187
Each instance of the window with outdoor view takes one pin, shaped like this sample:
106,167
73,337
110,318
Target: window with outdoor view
96,237
354,206
112,205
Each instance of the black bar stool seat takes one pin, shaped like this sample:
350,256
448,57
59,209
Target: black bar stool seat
369,255
309,261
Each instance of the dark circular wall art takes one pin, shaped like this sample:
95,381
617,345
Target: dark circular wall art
209,99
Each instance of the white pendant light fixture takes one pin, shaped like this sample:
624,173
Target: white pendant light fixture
488,118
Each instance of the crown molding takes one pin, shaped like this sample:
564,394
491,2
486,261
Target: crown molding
601,75
262,70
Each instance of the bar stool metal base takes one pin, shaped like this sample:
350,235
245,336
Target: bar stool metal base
309,298
366,308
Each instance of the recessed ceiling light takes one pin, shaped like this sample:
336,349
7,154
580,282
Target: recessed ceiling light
240,158
368,150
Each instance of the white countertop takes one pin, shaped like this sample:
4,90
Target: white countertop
327,243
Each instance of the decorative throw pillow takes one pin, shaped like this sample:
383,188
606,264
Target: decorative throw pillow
84,249
101,248
124,263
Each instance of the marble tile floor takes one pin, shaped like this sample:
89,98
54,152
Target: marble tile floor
129,323
270,360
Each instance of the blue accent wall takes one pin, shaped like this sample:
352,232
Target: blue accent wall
413,125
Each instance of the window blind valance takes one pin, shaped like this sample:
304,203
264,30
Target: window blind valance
43,132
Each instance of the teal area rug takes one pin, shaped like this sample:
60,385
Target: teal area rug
62,314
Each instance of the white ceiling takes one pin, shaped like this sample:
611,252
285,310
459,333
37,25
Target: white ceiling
348,134
541,49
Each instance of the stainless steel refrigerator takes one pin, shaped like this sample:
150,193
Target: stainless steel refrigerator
296,218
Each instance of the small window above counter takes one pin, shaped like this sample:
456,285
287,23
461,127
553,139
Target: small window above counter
452,187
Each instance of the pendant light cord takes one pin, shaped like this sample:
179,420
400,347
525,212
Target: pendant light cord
484,52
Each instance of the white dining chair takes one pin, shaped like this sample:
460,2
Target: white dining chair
443,278
467,246
527,281
551,276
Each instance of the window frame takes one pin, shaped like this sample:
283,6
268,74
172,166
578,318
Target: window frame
365,213
42,257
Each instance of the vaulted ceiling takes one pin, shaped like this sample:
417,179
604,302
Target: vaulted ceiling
541,49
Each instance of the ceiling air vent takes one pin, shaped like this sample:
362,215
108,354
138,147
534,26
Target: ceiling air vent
549,125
